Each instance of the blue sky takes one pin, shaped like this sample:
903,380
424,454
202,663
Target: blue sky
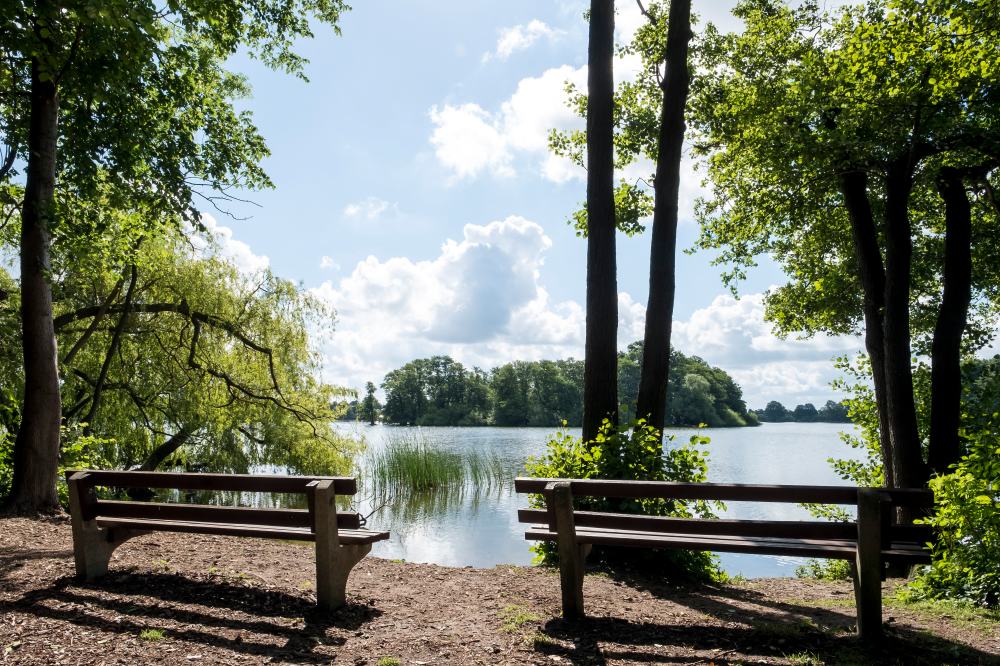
415,195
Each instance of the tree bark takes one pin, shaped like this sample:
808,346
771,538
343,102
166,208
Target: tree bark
601,354
854,187
651,403
164,450
908,467
36,449
946,346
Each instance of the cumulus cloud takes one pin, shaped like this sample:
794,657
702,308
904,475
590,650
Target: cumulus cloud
733,335
480,300
369,208
327,263
227,247
470,140
520,37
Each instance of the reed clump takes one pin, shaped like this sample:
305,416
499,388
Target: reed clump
408,464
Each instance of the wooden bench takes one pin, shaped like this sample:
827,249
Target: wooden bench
100,526
874,539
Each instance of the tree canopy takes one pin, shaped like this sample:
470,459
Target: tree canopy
441,391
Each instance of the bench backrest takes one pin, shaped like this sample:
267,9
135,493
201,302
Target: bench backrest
798,529
84,481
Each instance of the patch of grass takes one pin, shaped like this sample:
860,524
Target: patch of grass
388,661
152,635
983,620
514,617
539,640
804,659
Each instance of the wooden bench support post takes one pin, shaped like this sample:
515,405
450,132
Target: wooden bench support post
92,545
571,555
868,567
333,560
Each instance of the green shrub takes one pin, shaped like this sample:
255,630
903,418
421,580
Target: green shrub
966,518
632,452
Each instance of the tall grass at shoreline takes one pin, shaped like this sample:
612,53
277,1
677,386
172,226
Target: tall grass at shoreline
409,464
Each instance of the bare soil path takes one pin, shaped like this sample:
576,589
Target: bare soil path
189,599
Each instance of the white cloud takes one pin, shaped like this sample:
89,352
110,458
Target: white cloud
479,300
231,249
733,335
369,208
469,140
327,263
519,38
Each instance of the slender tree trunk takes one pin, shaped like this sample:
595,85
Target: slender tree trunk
854,187
909,469
36,449
652,399
946,347
600,383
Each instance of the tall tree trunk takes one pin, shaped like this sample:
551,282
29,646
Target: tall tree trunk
946,346
652,399
36,449
908,466
600,383
854,187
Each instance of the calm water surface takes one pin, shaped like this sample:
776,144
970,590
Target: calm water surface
463,528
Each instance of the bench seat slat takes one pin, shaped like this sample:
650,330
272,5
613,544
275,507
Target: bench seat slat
348,536
212,513
724,491
721,527
273,483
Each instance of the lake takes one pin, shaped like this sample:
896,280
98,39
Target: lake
463,528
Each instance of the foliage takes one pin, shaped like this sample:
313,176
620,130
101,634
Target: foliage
781,109
213,368
440,391
370,405
966,519
631,452
697,393
146,105
436,391
831,412
824,569
79,451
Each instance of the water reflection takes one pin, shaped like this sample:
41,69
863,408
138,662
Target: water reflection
464,524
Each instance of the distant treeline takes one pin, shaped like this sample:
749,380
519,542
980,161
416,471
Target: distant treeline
831,412
440,391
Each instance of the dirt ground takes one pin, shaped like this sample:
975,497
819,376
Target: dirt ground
189,599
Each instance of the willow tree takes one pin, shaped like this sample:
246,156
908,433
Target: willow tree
859,150
178,356
131,97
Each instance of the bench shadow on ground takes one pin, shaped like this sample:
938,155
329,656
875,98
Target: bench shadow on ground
757,627
195,611
11,562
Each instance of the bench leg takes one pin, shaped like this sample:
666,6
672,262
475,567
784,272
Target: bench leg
93,546
867,568
332,571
